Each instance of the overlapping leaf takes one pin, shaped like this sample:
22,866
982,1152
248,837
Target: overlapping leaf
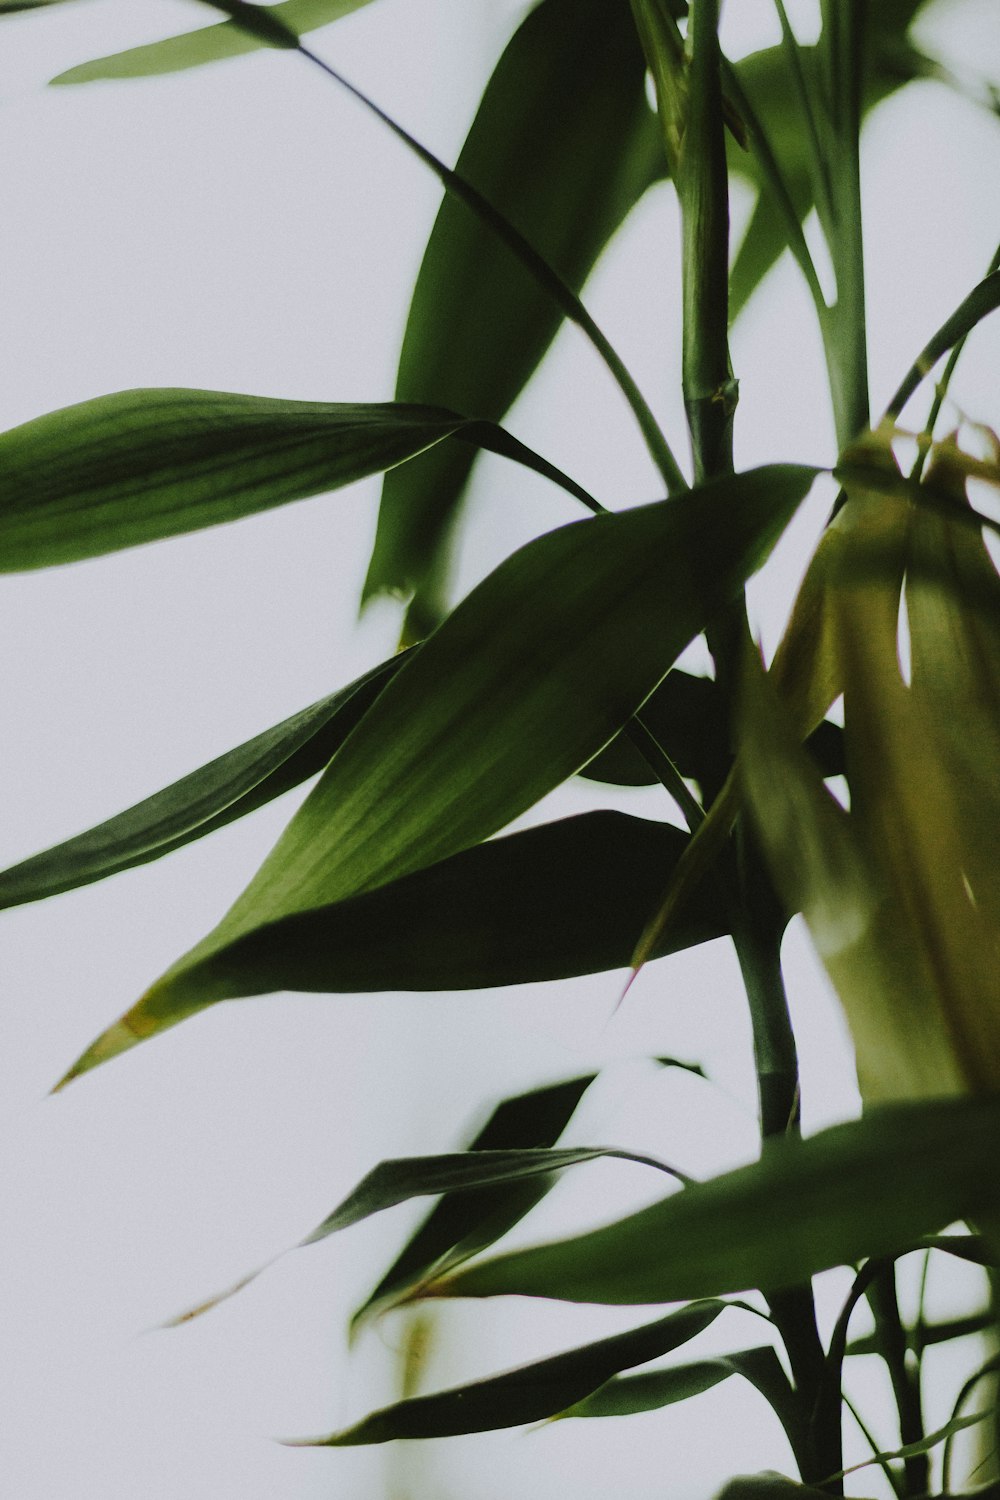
867,1188
529,1394
228,788
563,144
208,44
524,683
397,1181
901,894
463,1222
141,465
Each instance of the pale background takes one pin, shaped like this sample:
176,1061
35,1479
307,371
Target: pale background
248,228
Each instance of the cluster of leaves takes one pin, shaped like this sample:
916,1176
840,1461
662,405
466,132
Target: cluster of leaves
561,662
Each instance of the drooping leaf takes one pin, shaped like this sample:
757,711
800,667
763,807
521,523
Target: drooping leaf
141,465
209,44
563,144
228,788
521,686
397,1181
628,1394
867,1188
463,1222
529,1394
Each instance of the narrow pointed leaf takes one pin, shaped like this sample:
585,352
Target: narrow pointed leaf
627,1394
533,673
868,1188
465,1221
981,301
922,1445
397,1181
563,144
228,788
529,1394
209,44
141,465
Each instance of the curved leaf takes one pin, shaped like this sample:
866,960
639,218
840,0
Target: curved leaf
218,793
563,145
465,1221
628,1394
397,1181
141,465
213,43
529,1394
522,685
867,1188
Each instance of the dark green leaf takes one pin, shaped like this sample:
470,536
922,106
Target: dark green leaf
528,1394
209,44
397,1181
216,794
563,145
629,1394
141,465
552,902
768,1485
520,687
923,1445
406,1177
867,1188
688,717
464,1222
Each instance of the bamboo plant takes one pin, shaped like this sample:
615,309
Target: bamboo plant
561,662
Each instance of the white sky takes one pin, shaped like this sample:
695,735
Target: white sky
247,228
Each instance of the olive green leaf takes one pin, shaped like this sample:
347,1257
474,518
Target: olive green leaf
218,793
141,465
534,672
867,1188
529,1394
209,44
563,144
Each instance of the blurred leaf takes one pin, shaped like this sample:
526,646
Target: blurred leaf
628,1394
397,1181
228,788
924,1445
563,145
768,1485
768,81
522,685
463,1222
141,465
528,1394
209,44
867,1188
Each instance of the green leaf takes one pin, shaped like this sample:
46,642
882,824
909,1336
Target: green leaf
923,1445
768,1485
628,1394
533,673
563,144
397,1181
862,1189
550,903
981,301
141,465
228,788
688,717
463,1222
209,44
529,1394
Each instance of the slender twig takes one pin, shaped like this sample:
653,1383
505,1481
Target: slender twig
877,1455
892,1344
278,33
